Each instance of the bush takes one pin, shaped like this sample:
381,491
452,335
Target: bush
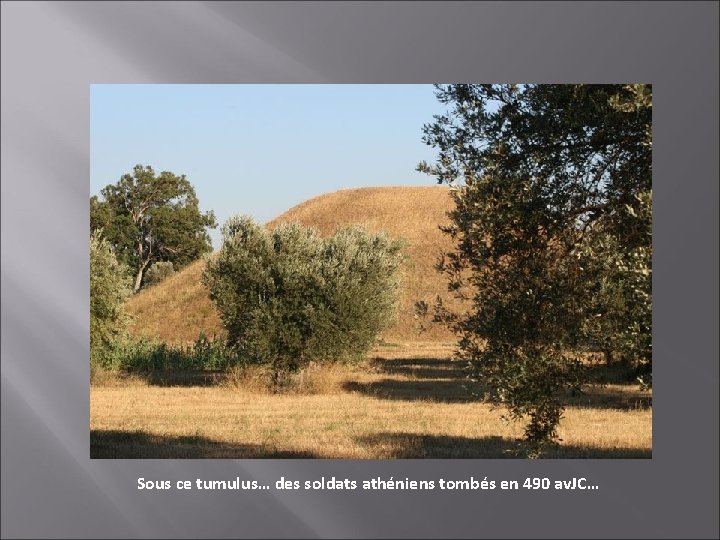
110,285
158,272
144,355
288,297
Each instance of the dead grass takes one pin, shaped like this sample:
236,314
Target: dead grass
404,402
408,400
314,379
100,378
177,310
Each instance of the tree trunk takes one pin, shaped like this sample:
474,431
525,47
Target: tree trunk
141,270
138,280
277,378
139,276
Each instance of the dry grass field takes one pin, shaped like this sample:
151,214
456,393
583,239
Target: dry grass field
177,310
407,401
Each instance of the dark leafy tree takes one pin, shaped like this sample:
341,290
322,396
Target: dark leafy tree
553,229
149,218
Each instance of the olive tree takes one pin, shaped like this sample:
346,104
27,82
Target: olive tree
110,285
289,296
158,272
552,225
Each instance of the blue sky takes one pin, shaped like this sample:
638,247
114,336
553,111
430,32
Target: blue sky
261,149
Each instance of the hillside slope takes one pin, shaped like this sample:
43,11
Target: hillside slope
178,309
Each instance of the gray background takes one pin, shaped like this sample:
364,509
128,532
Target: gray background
50,55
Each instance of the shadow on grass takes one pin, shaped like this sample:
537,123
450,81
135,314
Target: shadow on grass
414,446
463,391
622,398
615,373
444,381
138,445
420,368
112,444
440,380
413,390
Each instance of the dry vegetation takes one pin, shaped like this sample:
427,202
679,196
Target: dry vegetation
404,402
408,400
177,310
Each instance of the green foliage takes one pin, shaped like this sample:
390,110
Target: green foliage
148,218
109,287
622,299
158,272
553,230
145,355
288,297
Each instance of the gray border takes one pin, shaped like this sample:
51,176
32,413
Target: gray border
51,52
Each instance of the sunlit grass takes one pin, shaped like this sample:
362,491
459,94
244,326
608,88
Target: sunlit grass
404,402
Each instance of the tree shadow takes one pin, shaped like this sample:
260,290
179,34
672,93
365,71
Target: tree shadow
603,397
115,444
614,373
464,391
413,390
441,380
416,446
444,380
420,368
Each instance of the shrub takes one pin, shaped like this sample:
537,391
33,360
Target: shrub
158,272
288,297
144,355
110,285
